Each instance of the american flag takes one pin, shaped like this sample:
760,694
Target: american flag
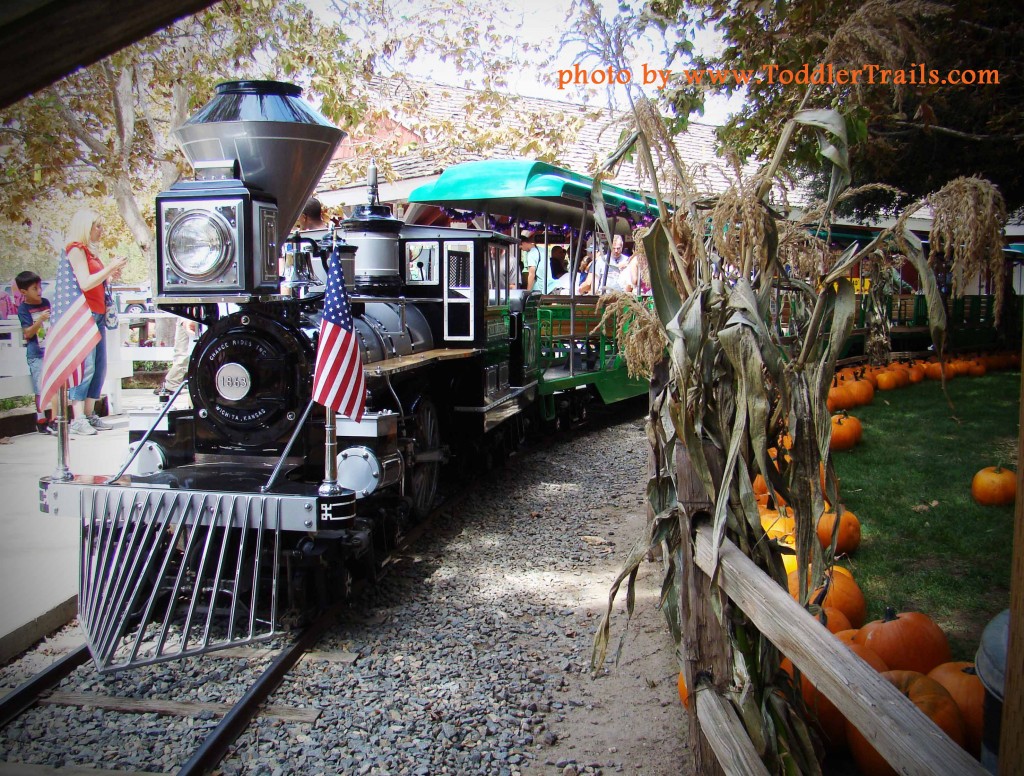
338,382
72,336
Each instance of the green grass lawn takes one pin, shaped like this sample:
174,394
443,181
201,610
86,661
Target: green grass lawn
950,560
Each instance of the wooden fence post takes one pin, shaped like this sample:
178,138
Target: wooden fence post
705,644
1011,737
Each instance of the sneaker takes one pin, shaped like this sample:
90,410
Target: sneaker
99,423
161,391
81,427
44,428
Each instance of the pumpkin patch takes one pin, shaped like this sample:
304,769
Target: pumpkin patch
908,644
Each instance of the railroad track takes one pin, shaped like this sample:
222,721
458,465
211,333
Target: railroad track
218,741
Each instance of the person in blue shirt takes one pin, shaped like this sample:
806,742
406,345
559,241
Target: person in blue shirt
34,316
536,265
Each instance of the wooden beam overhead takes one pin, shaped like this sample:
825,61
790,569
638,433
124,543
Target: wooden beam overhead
41,41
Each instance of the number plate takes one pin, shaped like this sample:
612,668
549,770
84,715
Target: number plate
233,382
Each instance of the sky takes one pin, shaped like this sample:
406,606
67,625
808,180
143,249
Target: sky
543,22
546,20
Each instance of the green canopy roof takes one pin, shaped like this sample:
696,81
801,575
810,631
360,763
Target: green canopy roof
528,191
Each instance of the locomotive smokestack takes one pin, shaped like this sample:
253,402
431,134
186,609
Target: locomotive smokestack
282,145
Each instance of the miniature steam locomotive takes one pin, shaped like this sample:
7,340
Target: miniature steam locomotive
218,524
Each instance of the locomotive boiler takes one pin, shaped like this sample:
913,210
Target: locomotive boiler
220,524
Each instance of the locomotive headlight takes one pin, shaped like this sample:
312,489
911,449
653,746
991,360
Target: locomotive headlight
200,244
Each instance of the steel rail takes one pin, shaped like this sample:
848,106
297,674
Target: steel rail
28,692
219,740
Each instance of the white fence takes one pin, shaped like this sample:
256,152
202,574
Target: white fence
122,353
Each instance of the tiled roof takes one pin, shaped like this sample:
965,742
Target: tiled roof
591,134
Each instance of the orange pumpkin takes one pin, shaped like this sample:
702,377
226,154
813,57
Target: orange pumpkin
994,486
684,692
848,537
862,391
963,683
908,640
888,380
833,619
844,434
760,486
930,697
829,718
935,369
839,397
839,591
849,637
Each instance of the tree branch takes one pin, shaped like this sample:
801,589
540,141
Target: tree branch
80,132
910,125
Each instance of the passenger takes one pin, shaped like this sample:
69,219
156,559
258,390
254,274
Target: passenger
560,271
618,259
605,277
83,235
8,306
584,268
185,334
312,216
34,315
311,219
636,279
535,265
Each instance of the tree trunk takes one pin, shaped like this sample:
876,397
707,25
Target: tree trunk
129,209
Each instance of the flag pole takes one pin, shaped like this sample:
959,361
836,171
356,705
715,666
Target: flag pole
330,486
62,472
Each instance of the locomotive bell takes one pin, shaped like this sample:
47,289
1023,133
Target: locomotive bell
299,275
258,150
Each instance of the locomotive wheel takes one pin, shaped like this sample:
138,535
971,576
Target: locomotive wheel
422,482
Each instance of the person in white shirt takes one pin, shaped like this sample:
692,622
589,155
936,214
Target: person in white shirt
618,259
603,276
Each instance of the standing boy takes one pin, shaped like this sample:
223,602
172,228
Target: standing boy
34,316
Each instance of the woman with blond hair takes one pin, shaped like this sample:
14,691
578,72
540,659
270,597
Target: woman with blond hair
82,237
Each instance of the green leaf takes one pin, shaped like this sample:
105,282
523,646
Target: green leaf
831,130
842,265
936,309
666,298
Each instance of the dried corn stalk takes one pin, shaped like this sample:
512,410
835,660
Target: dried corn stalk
968,219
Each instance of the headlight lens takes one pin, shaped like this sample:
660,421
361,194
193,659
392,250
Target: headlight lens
199,244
